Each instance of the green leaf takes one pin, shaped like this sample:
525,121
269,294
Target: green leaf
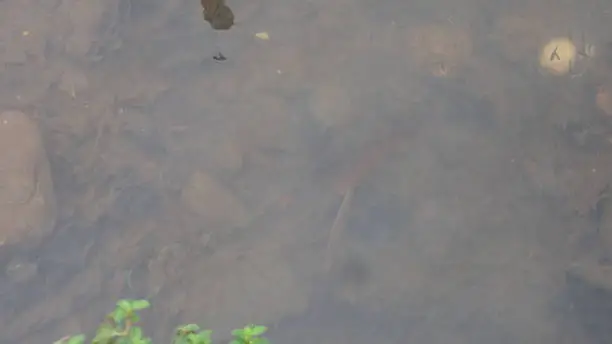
261,340
126,305
199,338
106,325
118,315
134,318
122,340
179,339
188,328
255,330
104,335
79,339
192,338
205,337
135,333
111,331
238,332
138,305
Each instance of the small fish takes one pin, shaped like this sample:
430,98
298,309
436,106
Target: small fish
217,14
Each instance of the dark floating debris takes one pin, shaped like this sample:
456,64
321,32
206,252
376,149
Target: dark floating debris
219,57
217,14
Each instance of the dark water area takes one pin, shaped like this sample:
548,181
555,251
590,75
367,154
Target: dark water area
340,171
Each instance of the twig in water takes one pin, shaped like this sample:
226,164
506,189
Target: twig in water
336,230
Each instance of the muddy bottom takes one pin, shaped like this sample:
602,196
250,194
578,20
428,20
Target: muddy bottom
339,171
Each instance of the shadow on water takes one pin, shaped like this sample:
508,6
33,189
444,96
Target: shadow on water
340,171
588,306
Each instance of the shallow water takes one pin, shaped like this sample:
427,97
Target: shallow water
212,187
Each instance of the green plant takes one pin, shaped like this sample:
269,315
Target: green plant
251,334
120,327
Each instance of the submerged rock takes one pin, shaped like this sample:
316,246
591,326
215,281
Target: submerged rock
27,200
207,197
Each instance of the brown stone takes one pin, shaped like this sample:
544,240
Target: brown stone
603,99
27,200
207,197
